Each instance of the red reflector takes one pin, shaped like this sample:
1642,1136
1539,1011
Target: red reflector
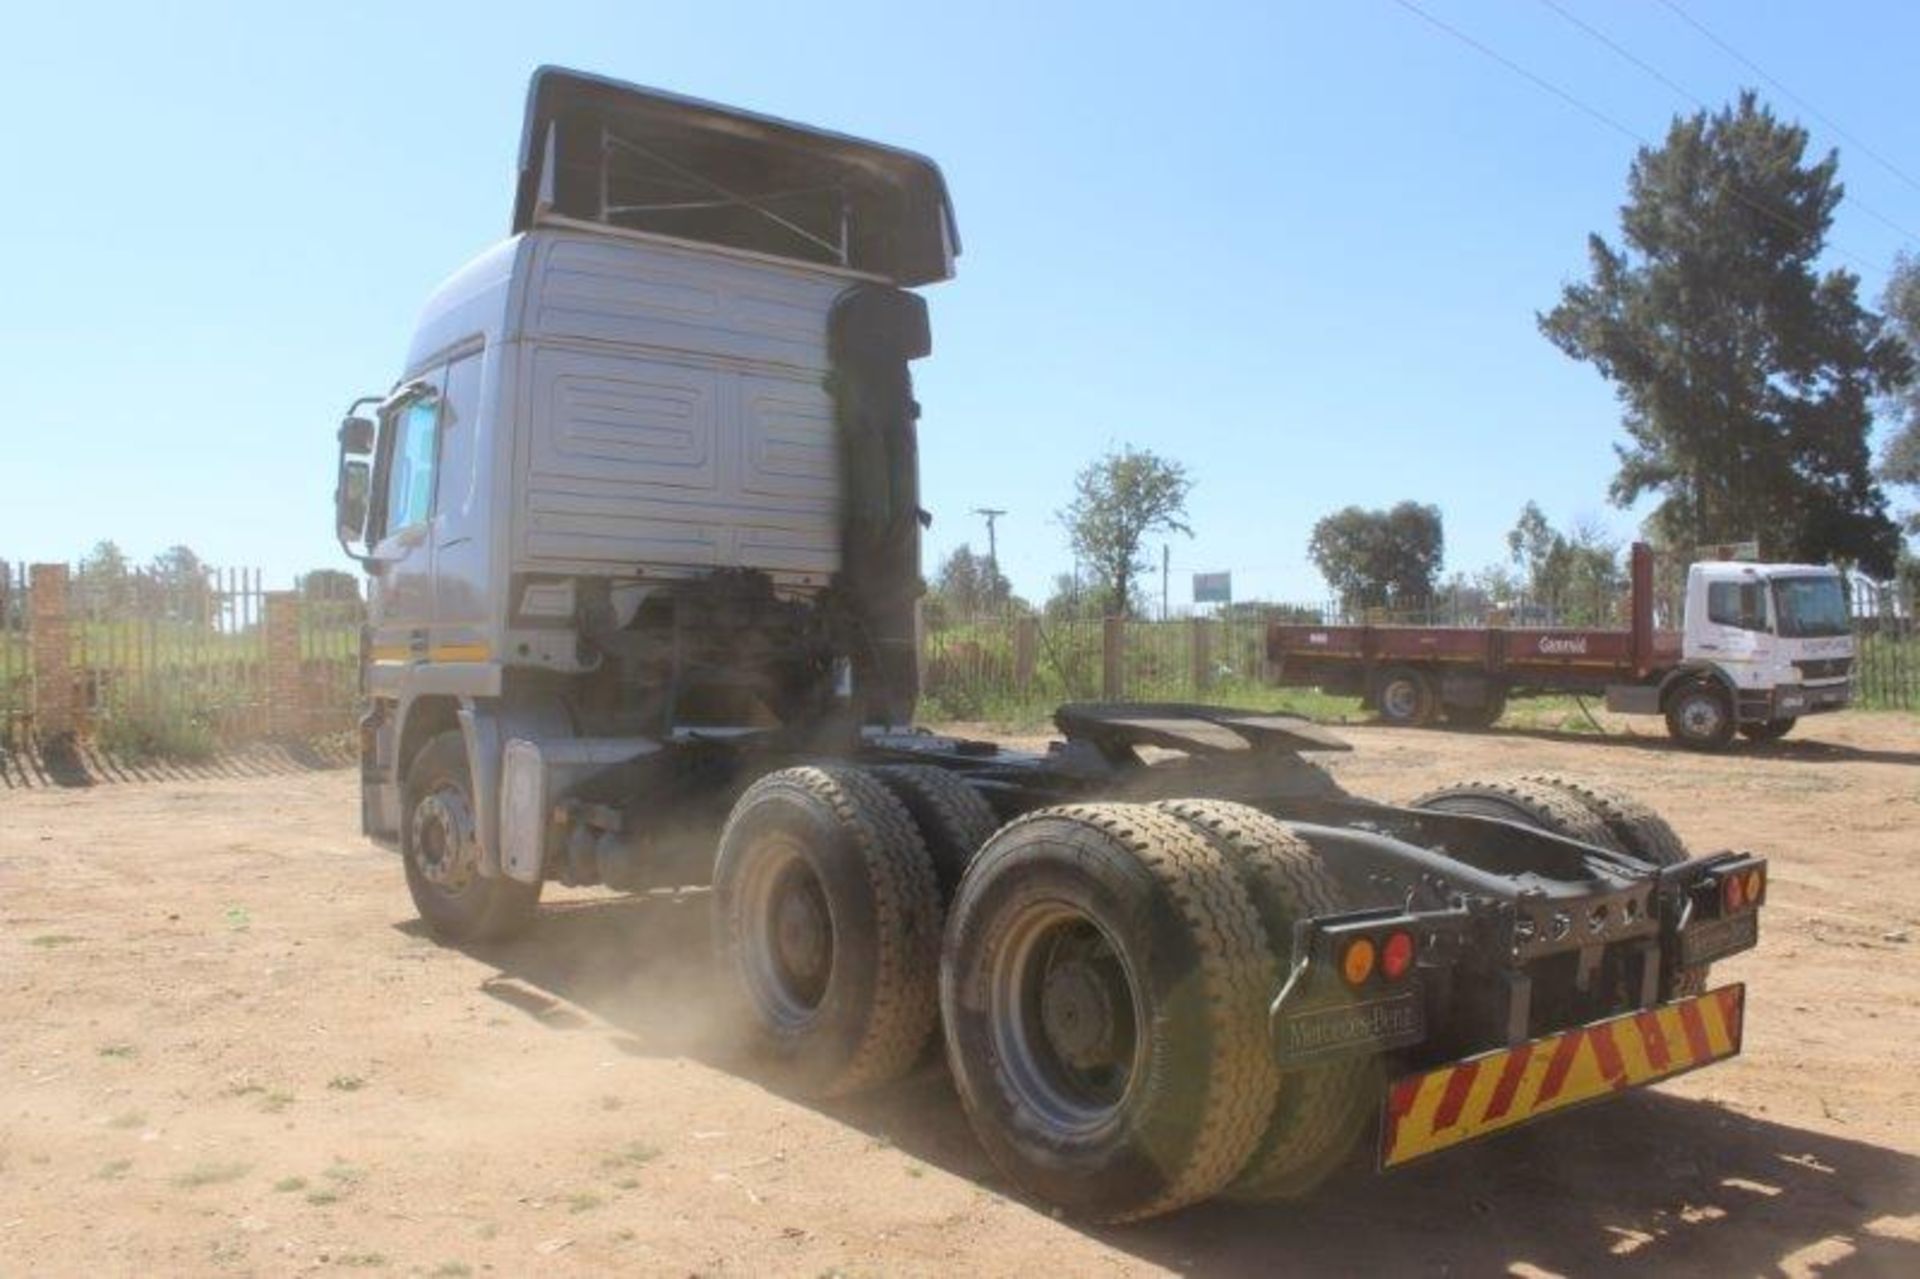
1730,895
1396,957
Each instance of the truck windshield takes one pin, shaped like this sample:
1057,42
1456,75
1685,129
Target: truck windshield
1810,606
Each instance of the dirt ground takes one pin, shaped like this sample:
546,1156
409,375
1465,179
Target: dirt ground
225,1046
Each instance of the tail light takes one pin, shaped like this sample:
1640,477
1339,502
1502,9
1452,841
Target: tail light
1356,962
1396,956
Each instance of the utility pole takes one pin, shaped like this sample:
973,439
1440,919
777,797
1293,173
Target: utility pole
1166,561
993,545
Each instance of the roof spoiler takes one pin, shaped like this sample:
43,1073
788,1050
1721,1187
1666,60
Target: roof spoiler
598,151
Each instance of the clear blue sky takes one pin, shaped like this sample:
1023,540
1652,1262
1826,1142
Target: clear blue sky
1298,246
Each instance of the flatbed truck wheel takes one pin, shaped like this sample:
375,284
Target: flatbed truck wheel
1319,1112
1700,716
1770,730
828,918
1103,985
441,851
953,819
1405,697
1485,715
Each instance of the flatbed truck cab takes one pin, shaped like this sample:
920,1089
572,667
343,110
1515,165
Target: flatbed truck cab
641,516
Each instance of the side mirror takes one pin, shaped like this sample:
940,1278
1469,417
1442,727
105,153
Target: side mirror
350,496
356,436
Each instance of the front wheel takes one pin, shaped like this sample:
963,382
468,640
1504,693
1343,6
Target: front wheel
442,853
1700,716
1769,731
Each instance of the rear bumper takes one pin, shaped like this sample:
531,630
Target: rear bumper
1490,1092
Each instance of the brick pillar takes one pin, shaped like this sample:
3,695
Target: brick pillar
286,711
1113,659
1026,651
54,712
1202,655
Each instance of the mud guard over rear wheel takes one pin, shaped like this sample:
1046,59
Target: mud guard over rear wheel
1103,987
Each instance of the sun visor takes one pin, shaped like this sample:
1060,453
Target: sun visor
598,151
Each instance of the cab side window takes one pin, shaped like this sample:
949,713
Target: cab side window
416,448
1739,604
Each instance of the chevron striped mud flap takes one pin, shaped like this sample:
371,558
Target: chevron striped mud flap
1448,1106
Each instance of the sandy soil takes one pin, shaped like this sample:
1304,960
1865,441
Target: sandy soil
225,1046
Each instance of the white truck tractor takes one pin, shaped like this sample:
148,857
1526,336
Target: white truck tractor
642,522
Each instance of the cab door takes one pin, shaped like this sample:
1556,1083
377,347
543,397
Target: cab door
400,608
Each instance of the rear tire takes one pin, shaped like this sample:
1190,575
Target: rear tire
1770,731
829,918
1320,1111
1405,697
1700,716
1643,833
440,848
1531,803
955,821
1485,715
1104,990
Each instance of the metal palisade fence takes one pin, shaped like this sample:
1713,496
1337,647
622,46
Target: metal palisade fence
171,664
1016,667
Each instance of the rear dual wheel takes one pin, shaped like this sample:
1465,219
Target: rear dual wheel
1590,812
828,915
1103,985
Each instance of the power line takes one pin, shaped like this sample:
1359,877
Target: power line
1808,107
1689,95
1586,108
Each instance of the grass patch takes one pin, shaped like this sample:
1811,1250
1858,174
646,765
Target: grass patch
112,1170
289,1185
322,1197
583,1201
635,1154
346,1083
123,1052
345,1174
452,1270
361,1260
47,941
276,1101
210,1174
611,1103
128,1119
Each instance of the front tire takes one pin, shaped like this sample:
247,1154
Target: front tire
441,850
1700,716
1771,730
829,918
1104,991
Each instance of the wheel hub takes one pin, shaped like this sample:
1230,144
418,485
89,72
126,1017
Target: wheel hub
443,842
1077,1013
1400,699
802,934
1701,716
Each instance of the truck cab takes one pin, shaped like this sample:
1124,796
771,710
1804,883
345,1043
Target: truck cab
1777,638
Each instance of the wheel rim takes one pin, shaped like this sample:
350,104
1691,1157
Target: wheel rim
444,847
1064,1012
786,932
1701,716
1400,699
